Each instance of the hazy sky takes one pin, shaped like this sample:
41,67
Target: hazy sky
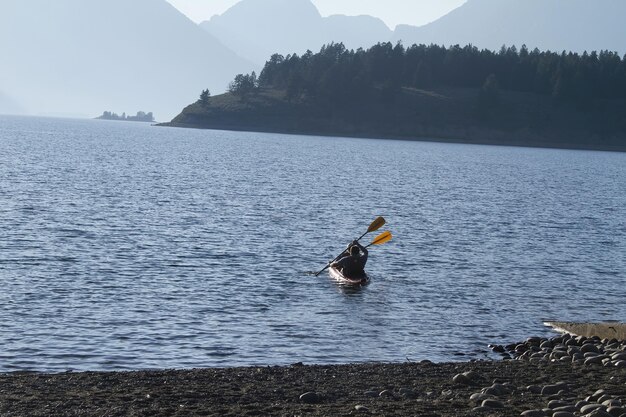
393,12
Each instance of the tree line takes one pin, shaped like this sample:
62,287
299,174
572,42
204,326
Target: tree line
140,117
340,74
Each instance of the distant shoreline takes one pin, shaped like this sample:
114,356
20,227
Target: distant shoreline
435,137
447,115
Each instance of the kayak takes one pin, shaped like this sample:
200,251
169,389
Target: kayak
338,276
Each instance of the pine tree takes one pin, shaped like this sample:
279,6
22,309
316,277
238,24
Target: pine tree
205,97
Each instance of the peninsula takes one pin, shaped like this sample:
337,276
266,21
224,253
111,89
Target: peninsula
456,94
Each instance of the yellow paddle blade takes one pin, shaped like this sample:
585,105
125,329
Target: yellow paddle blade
382,238
376,224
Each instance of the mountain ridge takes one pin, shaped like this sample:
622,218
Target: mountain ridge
557,25
571,25
87,55
278,20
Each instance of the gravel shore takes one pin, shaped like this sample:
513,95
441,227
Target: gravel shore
522,385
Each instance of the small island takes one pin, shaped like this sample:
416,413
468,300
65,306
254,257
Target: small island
452,94
140,117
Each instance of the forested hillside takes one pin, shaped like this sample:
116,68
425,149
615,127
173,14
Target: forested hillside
340,74
512,96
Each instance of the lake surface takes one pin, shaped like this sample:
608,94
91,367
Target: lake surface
127,246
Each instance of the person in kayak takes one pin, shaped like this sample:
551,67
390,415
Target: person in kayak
352,264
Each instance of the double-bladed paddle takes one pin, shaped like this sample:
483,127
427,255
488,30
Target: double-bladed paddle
376,224
381,238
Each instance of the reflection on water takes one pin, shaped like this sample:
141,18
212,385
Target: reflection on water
125,246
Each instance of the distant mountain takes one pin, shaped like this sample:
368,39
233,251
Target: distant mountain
355,31
557,25
256,29
70,56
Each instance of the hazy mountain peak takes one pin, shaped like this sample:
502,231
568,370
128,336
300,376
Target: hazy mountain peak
290,26
93,55
288,9
362,19
573,25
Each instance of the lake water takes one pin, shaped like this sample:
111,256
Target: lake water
127,246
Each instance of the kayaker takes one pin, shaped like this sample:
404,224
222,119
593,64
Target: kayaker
352,264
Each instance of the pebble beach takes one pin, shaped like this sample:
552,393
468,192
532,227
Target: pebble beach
562,376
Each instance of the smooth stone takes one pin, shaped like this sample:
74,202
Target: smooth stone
550,389
580,404
497,348
557,403
386,393
505,388
361,409
599,393
620,363
616,411
590,407
573,349
620,356
310,398
597,360
613,402
562,385
599,413
478,397
604,398
462,379
535,389
490,403
558,354
480,409
589,347
473,376
568,408
563,414
496,389
533,413
510,347
371,394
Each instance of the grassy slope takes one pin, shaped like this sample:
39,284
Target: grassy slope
445,114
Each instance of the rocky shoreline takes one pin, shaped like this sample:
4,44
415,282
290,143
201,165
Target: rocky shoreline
537,377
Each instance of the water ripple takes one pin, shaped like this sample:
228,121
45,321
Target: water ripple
124,246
